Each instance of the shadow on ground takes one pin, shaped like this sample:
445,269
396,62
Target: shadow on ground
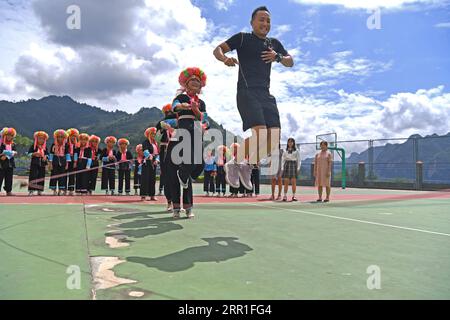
218,249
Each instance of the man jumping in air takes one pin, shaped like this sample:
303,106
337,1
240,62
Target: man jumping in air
257,107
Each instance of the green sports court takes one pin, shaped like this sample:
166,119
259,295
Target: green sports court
102,247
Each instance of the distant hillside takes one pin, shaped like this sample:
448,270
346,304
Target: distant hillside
392,161
53,112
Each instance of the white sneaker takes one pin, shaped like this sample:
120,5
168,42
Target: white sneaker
30,193
231,169
245,175
189,213
55,193
176,214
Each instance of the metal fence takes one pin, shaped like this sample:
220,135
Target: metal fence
389,161
392,162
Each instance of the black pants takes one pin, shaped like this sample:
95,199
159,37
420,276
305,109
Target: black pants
36,173
58,168
255,180
82,183
148,180
162,177
174,184
163,168
93,174
191,169
137,179
71,179
208,183
108,179
221,184
164,165
243,190
124,174
7,175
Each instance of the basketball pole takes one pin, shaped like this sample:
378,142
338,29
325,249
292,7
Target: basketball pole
341,153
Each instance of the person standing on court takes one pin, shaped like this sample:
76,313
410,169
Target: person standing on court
257,107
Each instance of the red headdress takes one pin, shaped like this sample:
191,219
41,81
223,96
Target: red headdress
38,134
167,108
188,73
7,131
151,131
110,138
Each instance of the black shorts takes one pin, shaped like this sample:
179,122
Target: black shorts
257,108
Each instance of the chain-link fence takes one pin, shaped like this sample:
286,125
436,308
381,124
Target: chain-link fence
408,163
405,163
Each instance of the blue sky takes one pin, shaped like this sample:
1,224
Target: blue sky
358,82
408,38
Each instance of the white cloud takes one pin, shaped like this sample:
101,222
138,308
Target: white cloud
223,4
280,30
143,71
355,116
442,25
370,4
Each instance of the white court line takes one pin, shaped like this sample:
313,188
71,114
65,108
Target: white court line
353,220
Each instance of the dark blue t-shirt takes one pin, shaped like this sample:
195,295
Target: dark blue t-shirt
253,71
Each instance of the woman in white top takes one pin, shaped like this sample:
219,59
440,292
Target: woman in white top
291,167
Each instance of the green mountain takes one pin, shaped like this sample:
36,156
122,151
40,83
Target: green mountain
54,112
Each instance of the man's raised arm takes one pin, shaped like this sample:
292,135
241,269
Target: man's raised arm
219,53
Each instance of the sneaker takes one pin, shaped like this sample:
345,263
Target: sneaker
169,207
55,193
71,193
185,185
119,194
232,173
278,198
39,193
326,200
207,194
294,199
112,192
245,175
90,192
136,193
30,193
143,198
284,199
176,214
64,193
127,194
153,199
160,193
189,213
272,198
106,192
